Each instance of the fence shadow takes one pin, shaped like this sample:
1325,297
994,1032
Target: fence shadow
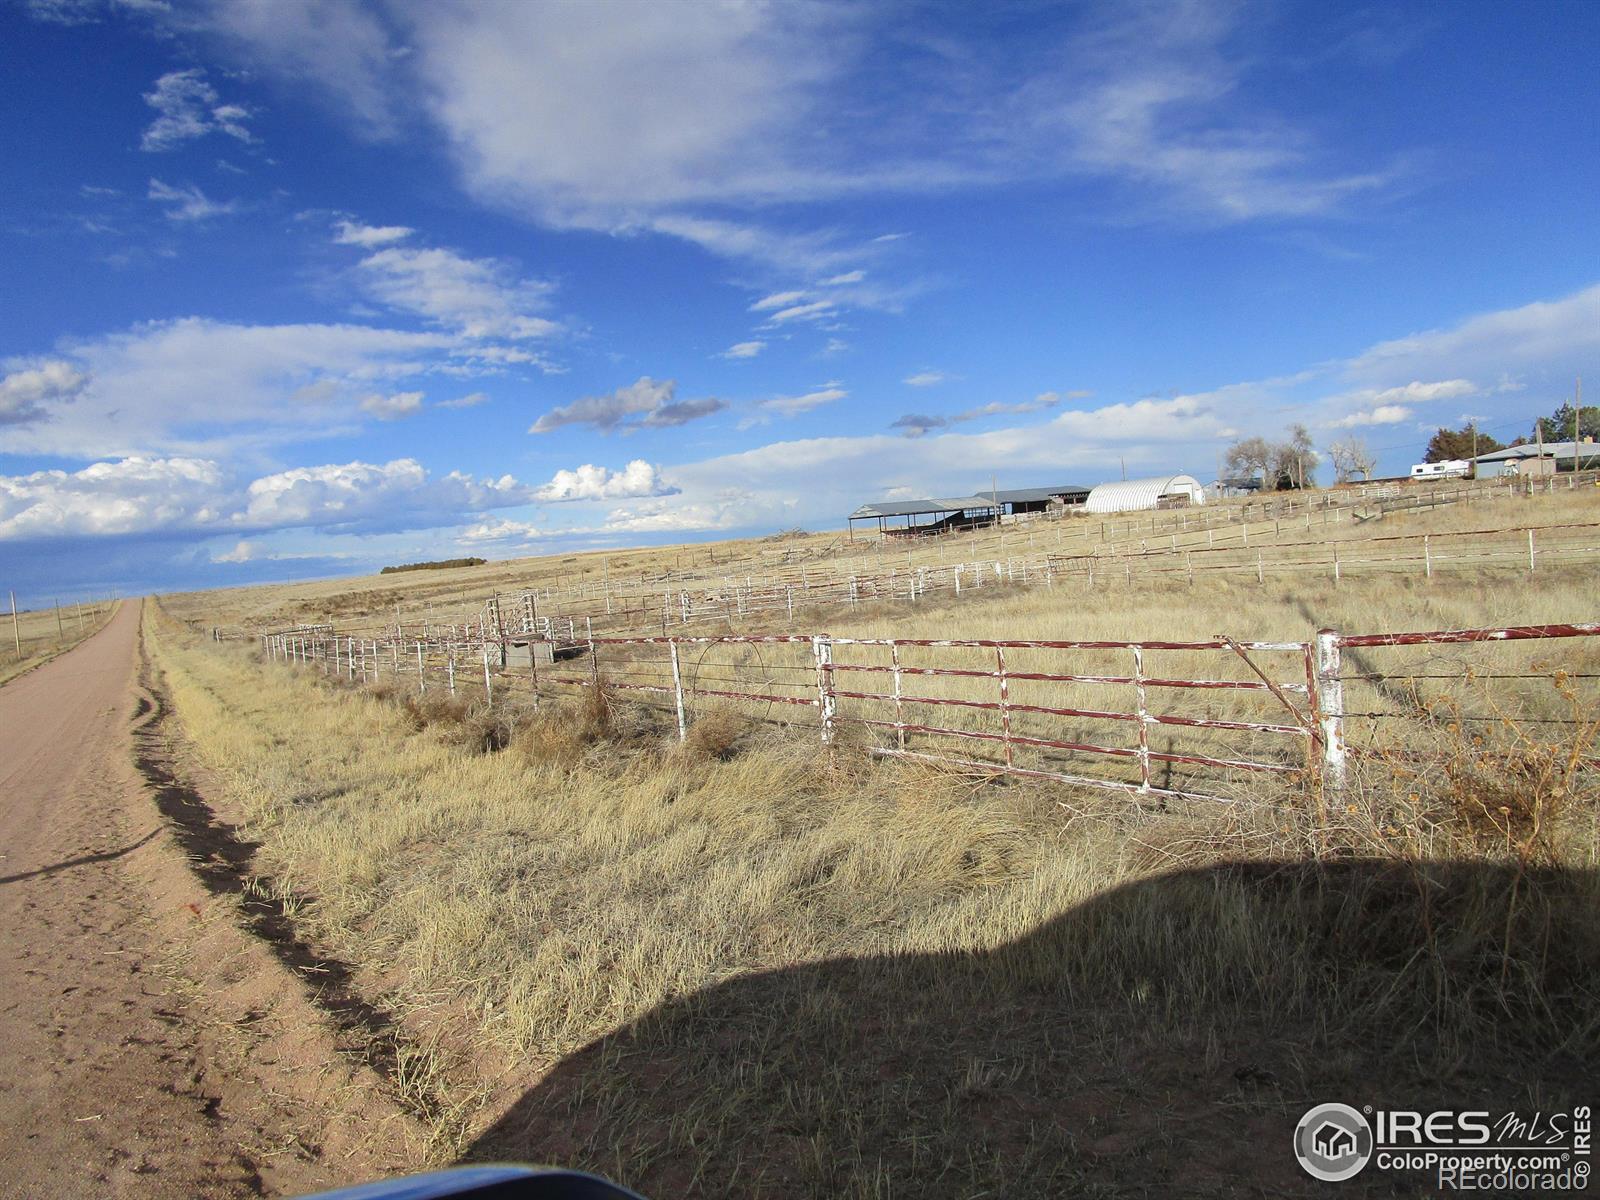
1162,1038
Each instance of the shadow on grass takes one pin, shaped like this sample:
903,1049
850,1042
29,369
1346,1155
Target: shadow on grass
1161,1039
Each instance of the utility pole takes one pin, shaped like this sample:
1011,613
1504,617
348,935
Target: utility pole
61,631
16,637
1577,409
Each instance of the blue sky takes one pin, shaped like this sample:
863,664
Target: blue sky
300,288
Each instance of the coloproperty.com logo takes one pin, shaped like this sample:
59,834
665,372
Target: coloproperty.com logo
1468,1151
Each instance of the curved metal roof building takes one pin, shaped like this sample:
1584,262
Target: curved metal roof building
1129,495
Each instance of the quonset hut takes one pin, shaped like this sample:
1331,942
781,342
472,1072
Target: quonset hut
1131,495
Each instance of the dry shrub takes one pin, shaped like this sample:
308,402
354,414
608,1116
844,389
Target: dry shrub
387,689
433,708
560,733
596,712
1503,788
713,735
484,730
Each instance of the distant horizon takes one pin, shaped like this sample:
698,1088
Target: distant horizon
301,298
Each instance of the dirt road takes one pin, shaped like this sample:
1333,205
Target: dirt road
106,1089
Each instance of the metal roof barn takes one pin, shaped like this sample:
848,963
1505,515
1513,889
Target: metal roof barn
1565,454
952,512
1130,495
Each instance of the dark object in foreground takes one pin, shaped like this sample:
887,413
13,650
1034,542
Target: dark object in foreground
487,1183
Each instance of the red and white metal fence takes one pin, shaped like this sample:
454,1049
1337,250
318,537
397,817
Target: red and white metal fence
1163,718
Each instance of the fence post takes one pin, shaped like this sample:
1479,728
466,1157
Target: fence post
1530,552
1330,710
677,689
1005,702
450,669
1144,723
822,652
488,690
899,706
1427,557
594,659
422,678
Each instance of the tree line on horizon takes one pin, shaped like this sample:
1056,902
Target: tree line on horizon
1291,462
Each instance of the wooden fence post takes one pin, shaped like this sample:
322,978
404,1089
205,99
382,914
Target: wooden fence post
488,690
1427,557
1329,701
422,678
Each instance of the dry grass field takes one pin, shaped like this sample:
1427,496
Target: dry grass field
44,633
746,965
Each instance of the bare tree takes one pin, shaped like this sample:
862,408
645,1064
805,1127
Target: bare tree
1249,458
1304,456
1350,458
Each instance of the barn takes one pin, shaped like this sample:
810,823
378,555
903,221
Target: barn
1131,495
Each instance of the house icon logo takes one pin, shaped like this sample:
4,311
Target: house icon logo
1333,1142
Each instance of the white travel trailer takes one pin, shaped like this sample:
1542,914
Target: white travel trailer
1454,468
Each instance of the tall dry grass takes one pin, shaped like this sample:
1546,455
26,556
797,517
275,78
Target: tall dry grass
530,883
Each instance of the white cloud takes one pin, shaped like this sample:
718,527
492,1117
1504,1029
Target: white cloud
188,108
789,406
194,386
1383,414
142,495
570,117
243,551
343,49
639,478
848,277
1417,392
189,203
135,495
1554,337
471,400
815,310
925,379
393,406
650,400
743,350
387,495
352,233
499,529
479,298
776,300
26,392
727,512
